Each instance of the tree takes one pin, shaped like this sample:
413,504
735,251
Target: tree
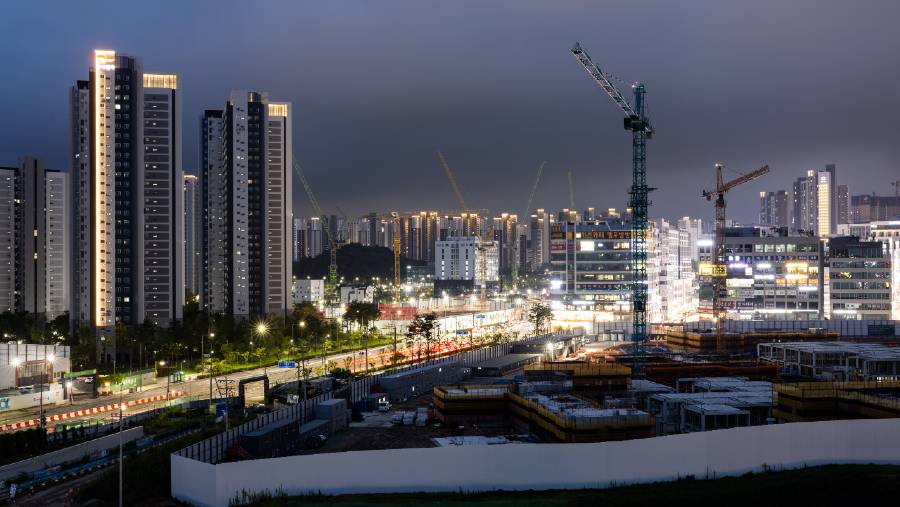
423,326
539,315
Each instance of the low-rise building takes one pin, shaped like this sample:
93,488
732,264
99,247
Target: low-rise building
357,294
309,291
465,263
858,276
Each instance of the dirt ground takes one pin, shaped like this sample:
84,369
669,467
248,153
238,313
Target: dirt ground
378,433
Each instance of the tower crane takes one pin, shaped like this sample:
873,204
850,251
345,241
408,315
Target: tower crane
537,179
331,294
637,122
481,247
719,269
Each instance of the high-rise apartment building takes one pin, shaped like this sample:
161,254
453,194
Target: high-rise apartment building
842,205
773,208
814,209
193,264
127,253
34,232
506,236
539,230
7,239
872,208
246,158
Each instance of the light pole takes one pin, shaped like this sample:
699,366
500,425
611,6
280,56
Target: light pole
168,380
302,326
209,371
121,464
47,358
261,329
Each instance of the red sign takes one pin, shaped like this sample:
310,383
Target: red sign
397,312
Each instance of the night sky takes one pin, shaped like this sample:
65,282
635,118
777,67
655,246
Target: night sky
378,86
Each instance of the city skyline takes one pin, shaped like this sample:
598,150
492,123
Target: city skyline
499,100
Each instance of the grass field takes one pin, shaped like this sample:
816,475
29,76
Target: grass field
844,485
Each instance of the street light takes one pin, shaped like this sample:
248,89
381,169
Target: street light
168,381
121,467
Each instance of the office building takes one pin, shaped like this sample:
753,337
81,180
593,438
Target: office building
859,280
193,263
128,249
590,267
770,275
247,165
773,208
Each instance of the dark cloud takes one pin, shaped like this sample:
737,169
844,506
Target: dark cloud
379,86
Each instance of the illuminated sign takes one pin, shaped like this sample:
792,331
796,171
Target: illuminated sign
713,270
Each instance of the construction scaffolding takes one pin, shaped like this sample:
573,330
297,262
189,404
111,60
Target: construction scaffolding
823,401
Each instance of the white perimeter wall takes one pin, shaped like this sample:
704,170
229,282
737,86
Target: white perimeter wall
544,466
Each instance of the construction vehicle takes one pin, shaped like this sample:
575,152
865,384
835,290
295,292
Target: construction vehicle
719,271
332,296
637,122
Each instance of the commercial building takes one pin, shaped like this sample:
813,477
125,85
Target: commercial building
858,275
128,248
247,172
773,208
590,267
464,263
842,204
770,275
193,262
675,296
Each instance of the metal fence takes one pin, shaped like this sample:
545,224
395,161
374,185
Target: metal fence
213,449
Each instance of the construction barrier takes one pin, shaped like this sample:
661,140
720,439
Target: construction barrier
85,412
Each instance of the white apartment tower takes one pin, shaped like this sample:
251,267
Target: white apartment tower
128,248
246,176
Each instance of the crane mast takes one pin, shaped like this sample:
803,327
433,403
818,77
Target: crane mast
719,269
637,122
537,179
331,295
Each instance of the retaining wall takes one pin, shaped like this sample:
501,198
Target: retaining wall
544,466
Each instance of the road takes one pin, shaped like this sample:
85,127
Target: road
196,389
